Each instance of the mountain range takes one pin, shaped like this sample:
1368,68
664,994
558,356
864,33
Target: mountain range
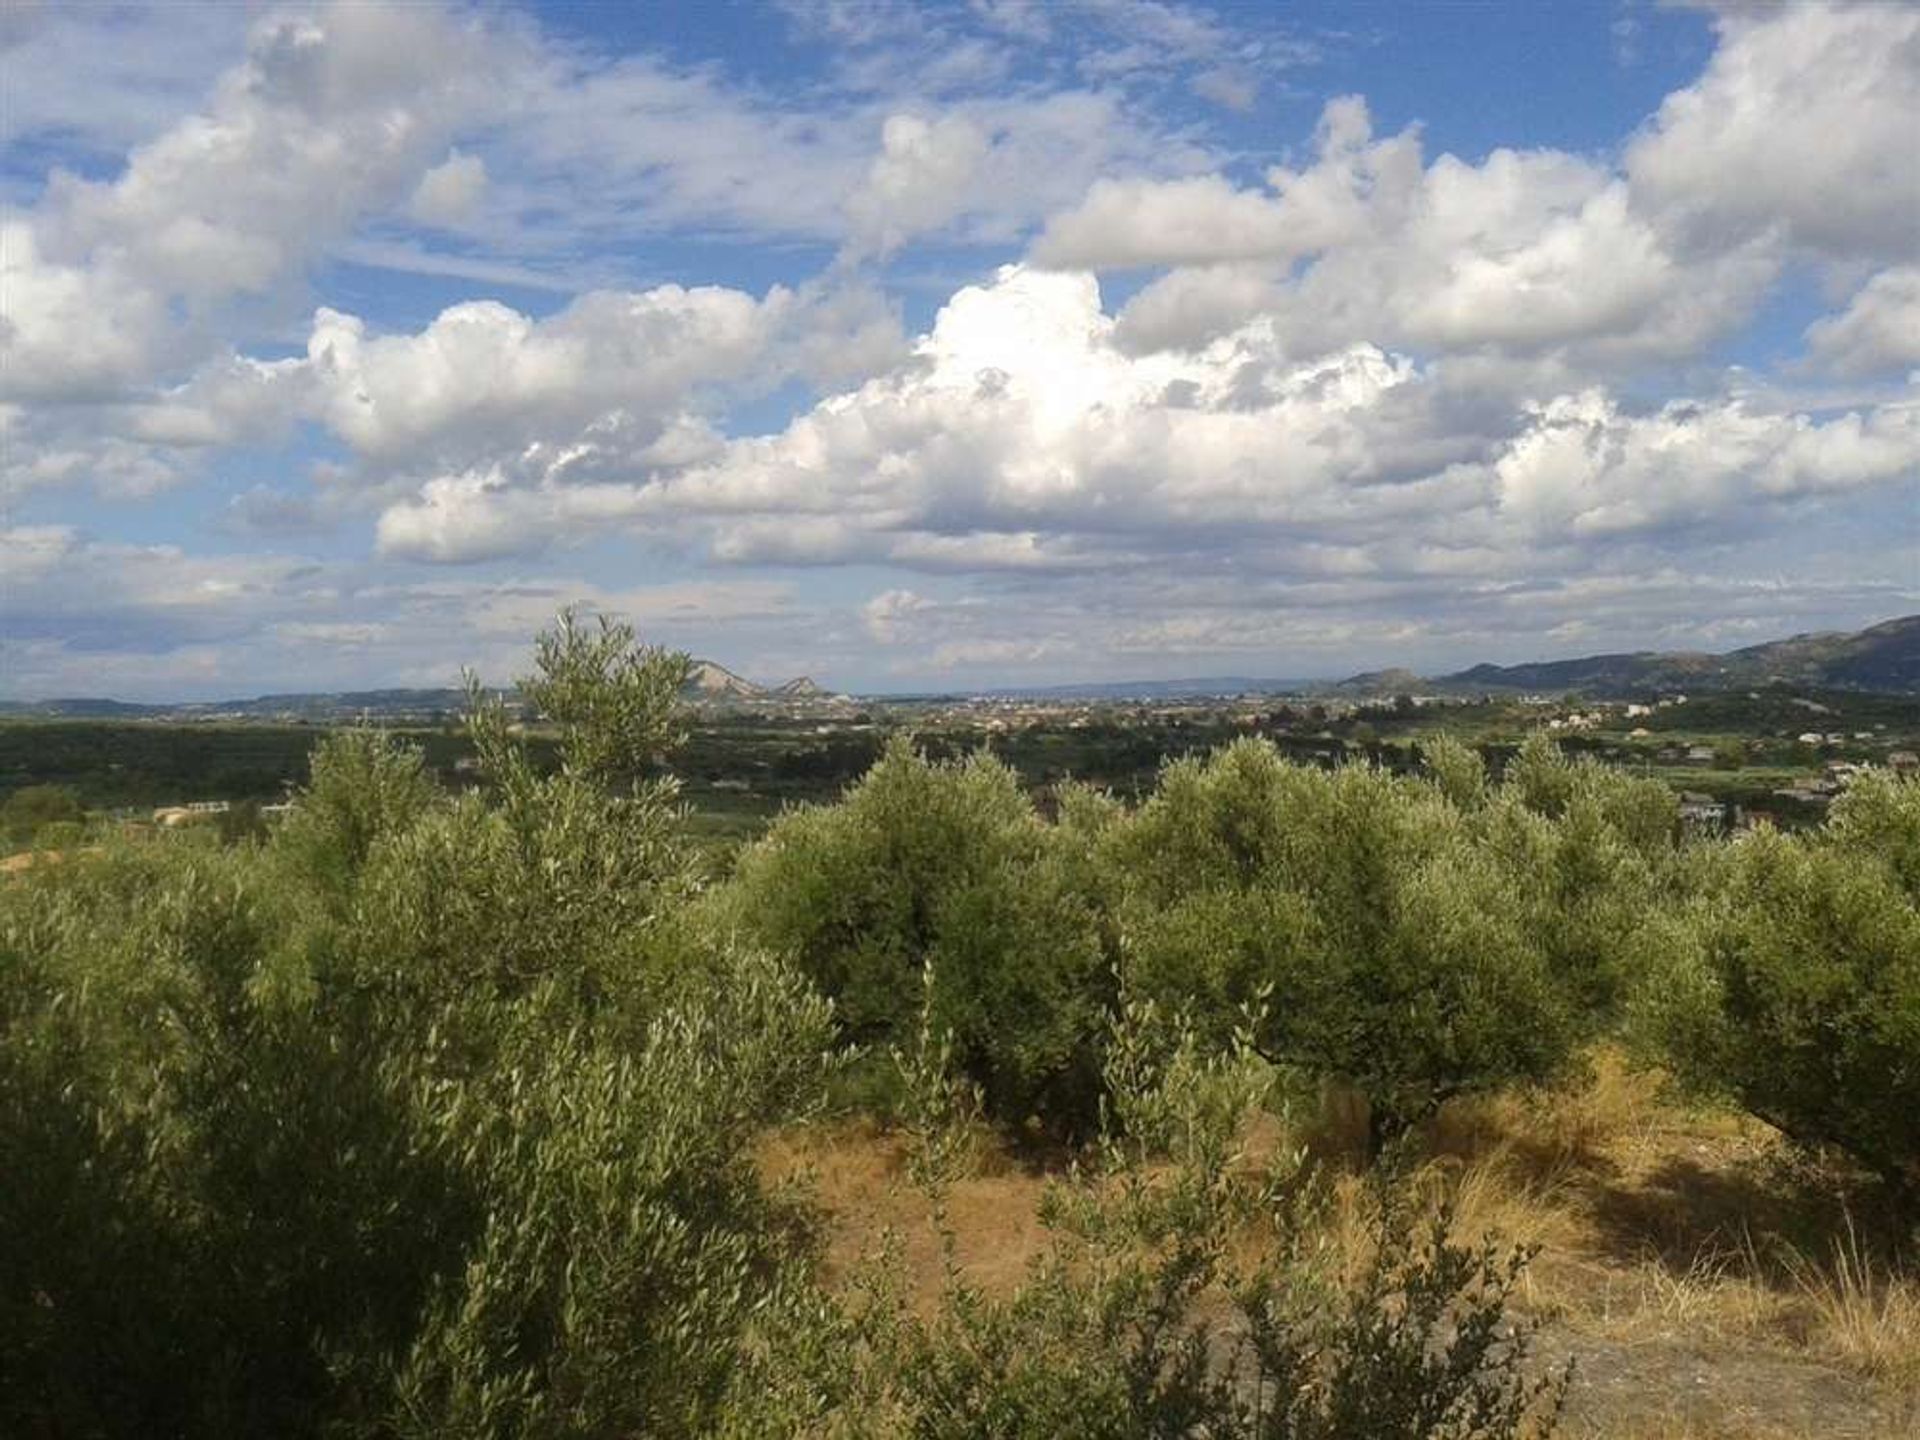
1883,657
708,684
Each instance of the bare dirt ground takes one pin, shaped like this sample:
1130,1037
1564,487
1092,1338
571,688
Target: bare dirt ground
1672,1388
1685,1266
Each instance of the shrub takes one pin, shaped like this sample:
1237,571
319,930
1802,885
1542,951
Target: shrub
1394,949
1800,996
402,1124
33,808
1149,1315
944,866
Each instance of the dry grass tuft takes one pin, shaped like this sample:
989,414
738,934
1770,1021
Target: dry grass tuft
1864,1311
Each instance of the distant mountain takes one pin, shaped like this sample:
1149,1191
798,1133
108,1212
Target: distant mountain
77,709
709,681
1881,657
708,684
1385,682
1206,687
1884,657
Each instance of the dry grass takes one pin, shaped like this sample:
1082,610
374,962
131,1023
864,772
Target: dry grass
1726,1291
1863,1310
858,1180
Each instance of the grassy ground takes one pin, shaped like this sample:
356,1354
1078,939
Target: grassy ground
1706,1283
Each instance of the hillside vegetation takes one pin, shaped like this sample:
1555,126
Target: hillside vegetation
1883,657
491,1114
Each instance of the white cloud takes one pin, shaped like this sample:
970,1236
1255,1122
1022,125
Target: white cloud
1804,122
1356,187
101,78
889,614
1583,468
66,332
1800,135
449,194
483,378
602,150
1878,331
1525,252
1196,221
1020,437
331,115
1369,383
920,179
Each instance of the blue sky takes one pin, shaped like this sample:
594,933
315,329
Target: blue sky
940,345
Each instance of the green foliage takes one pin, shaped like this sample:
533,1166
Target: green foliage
425,1115
1799,995
941,866
625,1246
1396,951
614,700
1877,818
1457,771
33,808
365,786
1142,1318
418,1120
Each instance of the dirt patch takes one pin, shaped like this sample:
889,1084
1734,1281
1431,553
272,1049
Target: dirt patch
858,1179
1660,1388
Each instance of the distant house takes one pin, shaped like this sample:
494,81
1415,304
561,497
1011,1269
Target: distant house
1702,811
1700,755
172,816
1811,737
1903,762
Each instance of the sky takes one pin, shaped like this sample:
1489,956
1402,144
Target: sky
935,346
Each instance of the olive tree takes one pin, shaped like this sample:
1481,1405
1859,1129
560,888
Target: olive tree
945,867
428,1117
1389,946
1797,992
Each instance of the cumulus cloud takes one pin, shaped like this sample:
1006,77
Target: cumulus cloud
1020,437
330,115
1372,396
1878,331
1803,123
67,332
1582,467
1523,252
482,375
1798,140
987,170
